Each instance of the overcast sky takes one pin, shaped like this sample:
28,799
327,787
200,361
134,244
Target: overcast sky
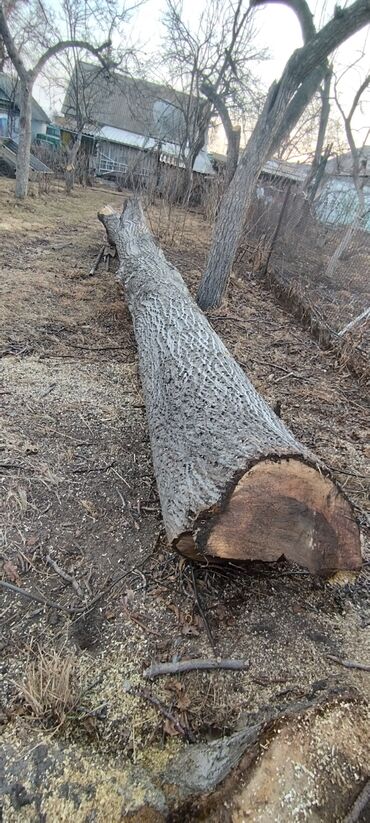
278,31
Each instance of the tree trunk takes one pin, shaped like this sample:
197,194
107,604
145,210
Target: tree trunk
232,479
233,146
71,163
286,100
25,137
316,172
279,115
232,133
342,246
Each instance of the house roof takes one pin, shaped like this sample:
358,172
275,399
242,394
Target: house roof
275,168
10,92
343,163
124,102
169,152
289,171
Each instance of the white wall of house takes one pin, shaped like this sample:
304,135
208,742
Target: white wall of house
38,127
9,126
337,202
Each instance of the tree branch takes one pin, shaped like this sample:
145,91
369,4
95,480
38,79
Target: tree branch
299,102
351,19
67,44
357,96
11,47
302,11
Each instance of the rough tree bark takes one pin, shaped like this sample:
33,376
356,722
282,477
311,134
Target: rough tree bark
72,153
286,100
232,133
25,136
232,479
320,159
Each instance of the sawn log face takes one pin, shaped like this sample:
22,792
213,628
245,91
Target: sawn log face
209,427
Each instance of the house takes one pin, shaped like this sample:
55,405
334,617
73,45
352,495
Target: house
343,163
337,201
9,110
132,128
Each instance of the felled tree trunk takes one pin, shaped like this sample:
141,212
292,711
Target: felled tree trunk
232,479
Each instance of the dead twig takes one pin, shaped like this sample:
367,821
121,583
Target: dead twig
162,708
50,389
197,664
87,470
140,623
350,474
40,599
201,610
360,805
349,664
279,368
67,577
95,265
94,348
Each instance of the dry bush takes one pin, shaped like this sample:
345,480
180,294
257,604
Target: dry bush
49,690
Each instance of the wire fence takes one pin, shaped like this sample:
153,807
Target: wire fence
323,265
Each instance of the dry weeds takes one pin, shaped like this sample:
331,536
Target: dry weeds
50,690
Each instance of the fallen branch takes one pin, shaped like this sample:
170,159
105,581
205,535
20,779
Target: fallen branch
162,708
349,664
87,470
197,664
360,805
67,577
40,599
201,610
95,266
365,315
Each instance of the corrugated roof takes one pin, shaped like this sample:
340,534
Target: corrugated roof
202,163
276,168
169,152
10,86
290,171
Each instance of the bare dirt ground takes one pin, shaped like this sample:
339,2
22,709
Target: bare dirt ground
81,526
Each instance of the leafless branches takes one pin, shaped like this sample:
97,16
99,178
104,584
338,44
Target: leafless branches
212,62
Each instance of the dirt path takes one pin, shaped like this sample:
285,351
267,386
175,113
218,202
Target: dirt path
78,491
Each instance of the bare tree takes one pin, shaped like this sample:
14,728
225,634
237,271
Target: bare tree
357,175
321,155
285,102
211,61
27,76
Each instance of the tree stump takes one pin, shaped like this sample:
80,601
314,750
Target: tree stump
233,481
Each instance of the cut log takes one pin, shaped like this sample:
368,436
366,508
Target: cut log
233,481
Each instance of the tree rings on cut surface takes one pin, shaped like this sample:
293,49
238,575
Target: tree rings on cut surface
282,508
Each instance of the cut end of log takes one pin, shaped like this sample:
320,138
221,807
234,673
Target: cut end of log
281,508
107,211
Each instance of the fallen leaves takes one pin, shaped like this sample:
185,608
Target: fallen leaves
11,573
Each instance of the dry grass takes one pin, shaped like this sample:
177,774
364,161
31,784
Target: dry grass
50,691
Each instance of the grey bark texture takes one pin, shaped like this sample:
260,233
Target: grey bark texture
317,170
207,422
233,134
233,481
25,138
72,152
